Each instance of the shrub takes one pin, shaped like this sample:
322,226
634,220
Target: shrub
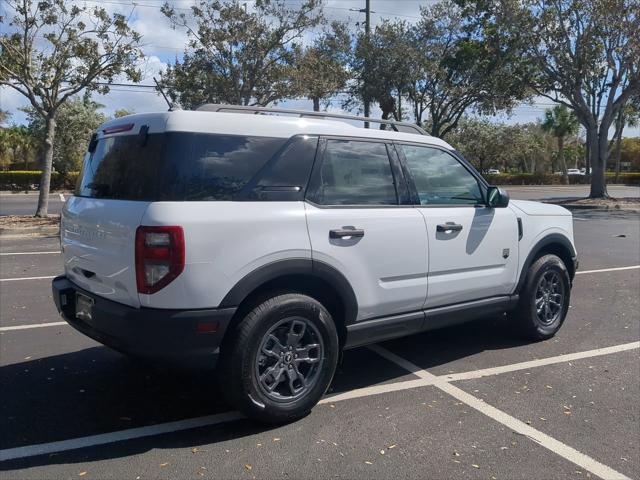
29,180
550,179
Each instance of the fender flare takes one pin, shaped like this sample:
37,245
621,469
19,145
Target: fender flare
295,266
553,238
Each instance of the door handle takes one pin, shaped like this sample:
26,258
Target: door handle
346,232
449,227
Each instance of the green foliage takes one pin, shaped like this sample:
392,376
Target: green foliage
489,145
4,116
76,121
122,112
28,180
582,54
17,147
52,50
550,179
321,69
384,65
238,55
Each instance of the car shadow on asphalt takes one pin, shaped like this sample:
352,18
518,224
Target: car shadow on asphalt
96,391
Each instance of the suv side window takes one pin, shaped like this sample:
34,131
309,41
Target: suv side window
354,172
440,178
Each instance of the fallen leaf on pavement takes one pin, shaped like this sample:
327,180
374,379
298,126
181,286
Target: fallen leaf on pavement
248,467
82,474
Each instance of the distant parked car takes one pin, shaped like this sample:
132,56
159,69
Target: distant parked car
574,171
493,171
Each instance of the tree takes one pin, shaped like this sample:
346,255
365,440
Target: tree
629,116
17,147
122,112
238,55
458,72
382,66
4,116
584,54
76,120
321,69
560,122
54,50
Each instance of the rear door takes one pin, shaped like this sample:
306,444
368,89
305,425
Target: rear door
472,248
358,225
99,223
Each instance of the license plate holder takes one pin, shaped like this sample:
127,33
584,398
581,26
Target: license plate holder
84,307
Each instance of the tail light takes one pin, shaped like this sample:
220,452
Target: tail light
159,257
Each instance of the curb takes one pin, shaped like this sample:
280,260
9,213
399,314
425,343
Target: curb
44,231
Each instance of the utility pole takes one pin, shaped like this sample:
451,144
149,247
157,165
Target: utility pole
367,35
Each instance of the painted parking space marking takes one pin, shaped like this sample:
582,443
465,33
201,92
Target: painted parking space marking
49,277
425,379
569,357
8,254
542,439
119,436
33,325
615,269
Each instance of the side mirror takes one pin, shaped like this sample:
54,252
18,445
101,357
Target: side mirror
497,197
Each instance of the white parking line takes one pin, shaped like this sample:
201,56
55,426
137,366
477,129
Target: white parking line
26,278
569,357
616,269
425,379
8,254
32,325
105,438
542,439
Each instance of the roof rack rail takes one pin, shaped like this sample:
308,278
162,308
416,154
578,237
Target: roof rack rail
392,124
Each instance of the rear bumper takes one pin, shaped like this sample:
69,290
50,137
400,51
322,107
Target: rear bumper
155,334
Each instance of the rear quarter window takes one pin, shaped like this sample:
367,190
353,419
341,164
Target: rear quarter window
174,166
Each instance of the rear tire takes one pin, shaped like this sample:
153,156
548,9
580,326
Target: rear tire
544,299
280,359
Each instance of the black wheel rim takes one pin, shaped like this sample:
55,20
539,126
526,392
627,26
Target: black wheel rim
290,359
549,297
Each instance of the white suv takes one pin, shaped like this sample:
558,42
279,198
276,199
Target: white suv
269,243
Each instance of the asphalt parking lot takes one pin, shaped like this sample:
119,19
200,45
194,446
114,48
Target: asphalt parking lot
470,401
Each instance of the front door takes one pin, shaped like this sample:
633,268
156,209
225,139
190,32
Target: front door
357,225
473,249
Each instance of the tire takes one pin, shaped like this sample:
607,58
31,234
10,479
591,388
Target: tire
547,287
279,341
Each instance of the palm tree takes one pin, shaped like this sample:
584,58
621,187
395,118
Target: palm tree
560,122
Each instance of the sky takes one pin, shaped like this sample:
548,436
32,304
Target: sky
162,45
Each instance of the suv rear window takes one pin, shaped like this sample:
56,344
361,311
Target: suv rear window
174,166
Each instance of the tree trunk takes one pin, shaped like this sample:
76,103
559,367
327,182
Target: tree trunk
316,104
598,155
620,121
45,178
587,154
563,161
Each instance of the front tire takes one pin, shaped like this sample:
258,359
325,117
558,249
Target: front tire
280,359
544,299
